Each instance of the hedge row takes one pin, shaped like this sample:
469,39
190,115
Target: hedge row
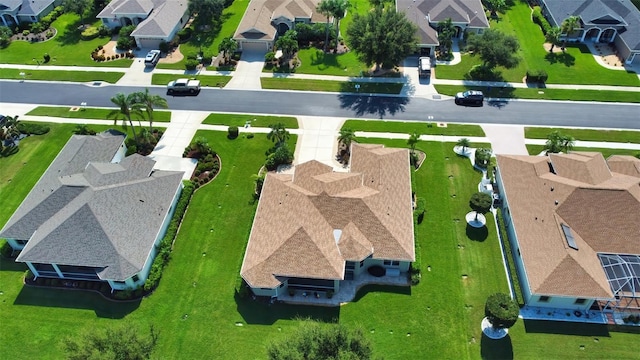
164,249
515,281
537,76
32,129
539,19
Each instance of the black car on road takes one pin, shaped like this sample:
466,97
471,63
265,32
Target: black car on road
470,97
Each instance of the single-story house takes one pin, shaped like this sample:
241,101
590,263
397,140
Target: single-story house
13,12
573,223
264,20
466,15
604,21
155,20
95,214
315,228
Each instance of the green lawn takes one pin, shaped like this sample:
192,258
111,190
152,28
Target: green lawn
66,48
411,126
330,85
537,149
624,136
577,66
210,40
60,75
256,120
315,61
205,80
89,113
546,94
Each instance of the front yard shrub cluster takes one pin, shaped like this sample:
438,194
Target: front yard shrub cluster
125,41
501,310
483,155
537,76
32,128
508,253
281,156
539,19
208,161
164,249
90,33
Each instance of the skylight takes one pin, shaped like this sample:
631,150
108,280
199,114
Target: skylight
569,236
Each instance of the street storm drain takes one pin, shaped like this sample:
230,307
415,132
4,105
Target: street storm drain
97,83
437,97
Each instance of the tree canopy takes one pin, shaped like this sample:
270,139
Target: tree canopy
288,43
446,31
382,36
559,142
206,10
501,310
495,48
120,343
480,202
79,7
553,37
314,341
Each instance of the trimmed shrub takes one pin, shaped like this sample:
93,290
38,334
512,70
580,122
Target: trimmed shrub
32,129
270,56
38,27
537,76
28,275
103,31
282,155
26,32
46,57
184,34
233,132
418,213
501,310
163,46
483,155
191,64
539,19
90,33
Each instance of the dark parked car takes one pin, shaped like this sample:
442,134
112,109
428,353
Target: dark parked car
470,97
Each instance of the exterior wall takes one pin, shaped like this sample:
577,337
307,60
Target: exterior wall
111,23
15,245
264,291
560,302
623,51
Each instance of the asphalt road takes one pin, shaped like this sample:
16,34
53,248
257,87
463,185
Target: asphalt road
549,113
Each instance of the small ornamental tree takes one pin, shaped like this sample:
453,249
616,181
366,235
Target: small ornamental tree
480,203
483,155
233,132
501,311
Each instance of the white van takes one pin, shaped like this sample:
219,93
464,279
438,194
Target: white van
424,66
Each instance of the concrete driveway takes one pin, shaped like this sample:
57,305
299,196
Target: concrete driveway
247,74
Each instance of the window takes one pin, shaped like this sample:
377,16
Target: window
580,301
544,299
281,285
135,278
391,263
362,263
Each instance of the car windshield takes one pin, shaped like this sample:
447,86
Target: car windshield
466,93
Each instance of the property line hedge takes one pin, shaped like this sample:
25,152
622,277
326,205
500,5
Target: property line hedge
165,246
539,19
513,275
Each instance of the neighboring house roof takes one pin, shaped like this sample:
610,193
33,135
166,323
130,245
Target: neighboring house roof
160,16
580,192
256,22
95,214
426,14
10,5
29,7
128,7
309,223
622,15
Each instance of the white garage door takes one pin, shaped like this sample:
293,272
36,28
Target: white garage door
148,43
254,46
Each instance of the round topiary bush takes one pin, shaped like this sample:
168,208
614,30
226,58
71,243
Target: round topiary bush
233,132
501,310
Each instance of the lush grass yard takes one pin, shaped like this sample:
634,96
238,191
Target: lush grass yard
537,149
330,85
546,94
205,80
210,40
624,136
66,48
256,120
90,113
315,61
577,66
60,75
410,127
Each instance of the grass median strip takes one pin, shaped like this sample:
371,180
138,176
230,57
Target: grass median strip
546,94
205,80
89,113
61,75
331,86
256,120
538,149
623,136
409,127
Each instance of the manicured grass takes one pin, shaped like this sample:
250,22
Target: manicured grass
537,149
89,113
61,75
66,48
546,94
205,80
210,40
256,120
624,136
576,66
331,86
409,127
315,61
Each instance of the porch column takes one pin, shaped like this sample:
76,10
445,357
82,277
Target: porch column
3,21
55,267
33,269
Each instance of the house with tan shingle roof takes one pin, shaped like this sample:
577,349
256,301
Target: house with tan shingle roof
465,15
573,222
315,228
264,20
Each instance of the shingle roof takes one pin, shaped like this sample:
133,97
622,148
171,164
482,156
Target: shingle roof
162,16
10,5
309,223
108,221
32,7
601,207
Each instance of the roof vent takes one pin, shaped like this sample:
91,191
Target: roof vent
569,236
337,233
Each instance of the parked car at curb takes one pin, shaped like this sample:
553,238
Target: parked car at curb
470,97
152,58
183,86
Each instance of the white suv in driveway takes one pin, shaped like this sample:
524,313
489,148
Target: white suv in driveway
152,58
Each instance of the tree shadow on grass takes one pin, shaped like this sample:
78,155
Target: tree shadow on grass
496,349
363,291
477,234
564,58
75,299
9,264
70,35
325,61
264,313
375,105
565,328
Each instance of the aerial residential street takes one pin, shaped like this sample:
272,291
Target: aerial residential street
548,113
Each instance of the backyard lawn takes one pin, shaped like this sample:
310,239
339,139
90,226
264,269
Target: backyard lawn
90,113
256,120
413,126
66,48
576,66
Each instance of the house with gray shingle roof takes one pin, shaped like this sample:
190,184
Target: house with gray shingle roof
573,222
95,214
14,12
602,21
466,15
315,228
155,20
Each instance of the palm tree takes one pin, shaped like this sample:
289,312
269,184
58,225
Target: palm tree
413,140
278,134
568,27
11,129
553,37
144,101
446,31
339,11
227,46
201,145
346,137
288,43
554,142
464,143
325,7
126,104
566,143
